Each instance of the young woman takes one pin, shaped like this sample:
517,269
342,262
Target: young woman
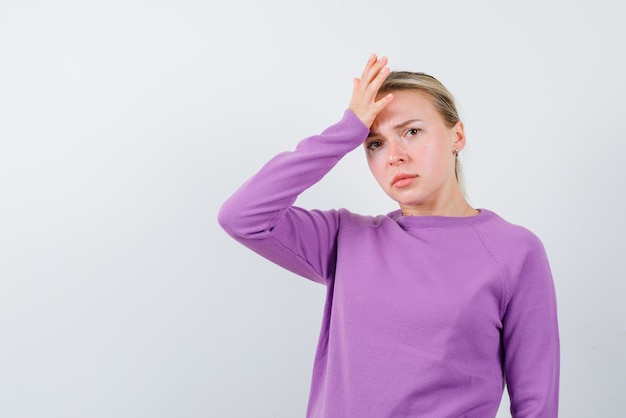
430,308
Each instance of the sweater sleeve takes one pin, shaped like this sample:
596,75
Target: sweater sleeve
261,215
530,335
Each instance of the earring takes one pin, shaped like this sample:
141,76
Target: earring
456,151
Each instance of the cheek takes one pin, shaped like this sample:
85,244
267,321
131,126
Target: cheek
435,156
377,167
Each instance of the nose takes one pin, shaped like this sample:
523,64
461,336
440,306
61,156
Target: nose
396,153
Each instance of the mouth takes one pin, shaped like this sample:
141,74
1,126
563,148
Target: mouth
403,180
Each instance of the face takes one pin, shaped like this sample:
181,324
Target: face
410,151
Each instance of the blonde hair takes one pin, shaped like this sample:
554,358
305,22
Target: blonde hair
441,97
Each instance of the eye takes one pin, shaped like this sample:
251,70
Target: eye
373,145
413,131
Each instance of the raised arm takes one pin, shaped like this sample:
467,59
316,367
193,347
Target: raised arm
261,214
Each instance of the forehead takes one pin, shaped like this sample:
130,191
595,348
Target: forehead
406,105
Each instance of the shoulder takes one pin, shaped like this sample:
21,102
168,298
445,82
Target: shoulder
513,248
517,251
505,235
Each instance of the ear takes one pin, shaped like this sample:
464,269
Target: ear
458,138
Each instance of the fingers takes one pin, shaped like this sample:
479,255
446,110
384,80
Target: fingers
382,102
374,73
373,68
378,106
368,65
356,86
365,90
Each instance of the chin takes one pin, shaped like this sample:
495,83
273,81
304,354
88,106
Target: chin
403,199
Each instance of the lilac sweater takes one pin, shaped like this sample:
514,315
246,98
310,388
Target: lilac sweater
424,316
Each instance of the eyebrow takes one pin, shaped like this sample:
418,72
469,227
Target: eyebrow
398,126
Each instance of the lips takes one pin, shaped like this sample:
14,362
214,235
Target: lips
403,180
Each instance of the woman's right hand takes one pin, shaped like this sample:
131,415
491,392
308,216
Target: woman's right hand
363,102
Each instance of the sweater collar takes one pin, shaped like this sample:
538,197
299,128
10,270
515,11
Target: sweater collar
409,222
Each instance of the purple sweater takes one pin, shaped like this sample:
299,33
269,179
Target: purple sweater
425,316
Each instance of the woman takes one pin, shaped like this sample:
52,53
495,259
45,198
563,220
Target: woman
429,308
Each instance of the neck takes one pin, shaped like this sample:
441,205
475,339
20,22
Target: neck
454,207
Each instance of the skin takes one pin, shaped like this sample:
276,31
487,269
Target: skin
410,149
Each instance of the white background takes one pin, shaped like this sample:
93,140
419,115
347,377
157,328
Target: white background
125,124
